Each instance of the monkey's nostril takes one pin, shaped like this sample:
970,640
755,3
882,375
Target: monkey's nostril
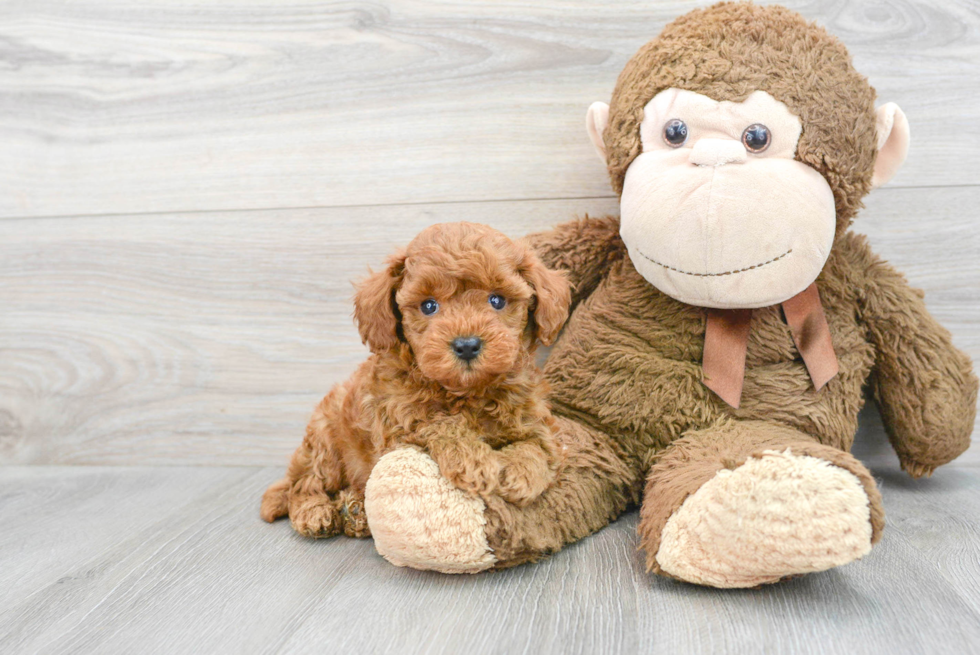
467,348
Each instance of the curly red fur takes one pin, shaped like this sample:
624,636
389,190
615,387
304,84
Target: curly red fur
485,422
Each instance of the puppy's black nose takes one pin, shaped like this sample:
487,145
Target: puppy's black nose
467,348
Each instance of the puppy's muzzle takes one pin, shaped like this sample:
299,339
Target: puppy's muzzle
467,348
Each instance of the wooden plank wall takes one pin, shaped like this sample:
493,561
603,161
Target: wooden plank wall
186,191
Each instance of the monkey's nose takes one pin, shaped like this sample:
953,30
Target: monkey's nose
717,152
467,348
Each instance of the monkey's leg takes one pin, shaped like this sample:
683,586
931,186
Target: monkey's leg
744,503
420,520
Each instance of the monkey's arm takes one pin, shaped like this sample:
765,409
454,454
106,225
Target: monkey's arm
583,248
925,386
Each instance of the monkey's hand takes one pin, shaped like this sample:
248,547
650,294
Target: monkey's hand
925,386
527,468
584,249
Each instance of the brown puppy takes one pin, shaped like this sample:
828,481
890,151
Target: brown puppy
453,323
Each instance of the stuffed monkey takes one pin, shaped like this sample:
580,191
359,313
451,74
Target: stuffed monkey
723,326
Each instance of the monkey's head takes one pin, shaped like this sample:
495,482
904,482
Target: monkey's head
741,142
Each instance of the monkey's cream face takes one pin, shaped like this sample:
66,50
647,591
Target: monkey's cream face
715,211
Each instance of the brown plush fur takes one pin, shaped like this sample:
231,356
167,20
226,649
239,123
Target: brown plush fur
695,458
730,50
485,422
626,374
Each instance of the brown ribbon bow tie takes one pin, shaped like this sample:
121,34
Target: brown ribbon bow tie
726,340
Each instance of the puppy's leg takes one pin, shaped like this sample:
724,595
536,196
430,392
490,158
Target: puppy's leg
275,501
527,468
519,473
315,516
467,463
315,476
317,471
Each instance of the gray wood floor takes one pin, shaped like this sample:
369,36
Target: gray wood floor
152,559
186,192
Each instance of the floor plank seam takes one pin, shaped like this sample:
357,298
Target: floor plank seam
420,203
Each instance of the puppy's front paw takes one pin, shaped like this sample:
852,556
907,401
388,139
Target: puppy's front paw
468,465
315,516
522,481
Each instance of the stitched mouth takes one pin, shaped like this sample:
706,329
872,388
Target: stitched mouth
740,270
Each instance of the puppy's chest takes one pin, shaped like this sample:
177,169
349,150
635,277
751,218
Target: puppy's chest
394,419
496,429
496,433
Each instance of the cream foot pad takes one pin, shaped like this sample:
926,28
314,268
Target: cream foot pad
773,516
418,519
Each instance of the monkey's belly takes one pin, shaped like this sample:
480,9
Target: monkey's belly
629,364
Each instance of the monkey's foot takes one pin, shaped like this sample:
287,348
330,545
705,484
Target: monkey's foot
418,519
775,516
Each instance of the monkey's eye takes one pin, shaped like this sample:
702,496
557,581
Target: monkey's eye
497,301
756,137
429,307
675,133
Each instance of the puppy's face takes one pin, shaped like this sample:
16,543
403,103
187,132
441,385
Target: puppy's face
469,301
465,326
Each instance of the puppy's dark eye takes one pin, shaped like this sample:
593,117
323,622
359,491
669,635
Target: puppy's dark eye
675,133
429,307
756,138
497,301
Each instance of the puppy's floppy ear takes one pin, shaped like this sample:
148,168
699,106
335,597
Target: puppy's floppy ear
375,310
552,297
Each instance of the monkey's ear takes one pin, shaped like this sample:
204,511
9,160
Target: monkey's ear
893,143
375,310
552,298
595,123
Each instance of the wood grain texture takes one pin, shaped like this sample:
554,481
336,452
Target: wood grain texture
208,338
186,191
859,607
158,560
121,107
